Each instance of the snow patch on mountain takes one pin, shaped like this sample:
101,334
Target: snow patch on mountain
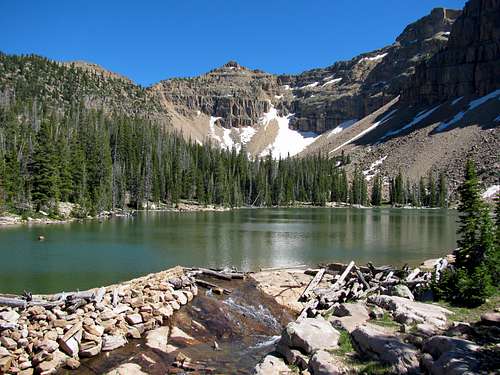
419,117
287,141
374,58
372,171
309,86
471,106
332,81
341,127
491,192
367,130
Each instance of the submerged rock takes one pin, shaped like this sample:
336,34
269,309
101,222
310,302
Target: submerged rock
382,346
158,338
127,369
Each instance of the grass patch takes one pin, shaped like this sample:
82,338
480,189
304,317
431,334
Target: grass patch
470,315
374,368
386,321
345,344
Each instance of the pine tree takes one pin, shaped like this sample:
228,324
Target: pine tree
44,172
442,191
376,197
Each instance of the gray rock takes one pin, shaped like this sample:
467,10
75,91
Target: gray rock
402,291
323,363
9,316
356,315
310,334
491,318
272,365
376,312
410,312
374,342
127,369
450,356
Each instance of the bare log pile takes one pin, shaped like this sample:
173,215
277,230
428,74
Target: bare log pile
42,332
352,283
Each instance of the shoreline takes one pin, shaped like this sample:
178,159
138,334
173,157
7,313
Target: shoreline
66,329
8,219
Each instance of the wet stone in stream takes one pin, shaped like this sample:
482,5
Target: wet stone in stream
213,334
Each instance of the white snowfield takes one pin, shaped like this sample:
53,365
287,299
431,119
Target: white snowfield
373,58
491,192
472,105
367,130
372,171
309,86
331,82
227,142
287,141
342,126
419,117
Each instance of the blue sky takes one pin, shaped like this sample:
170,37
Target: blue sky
152,40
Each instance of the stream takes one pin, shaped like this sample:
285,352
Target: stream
246,325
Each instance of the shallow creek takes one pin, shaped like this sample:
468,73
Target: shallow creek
245,324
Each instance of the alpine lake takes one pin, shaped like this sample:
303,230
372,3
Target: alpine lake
82,255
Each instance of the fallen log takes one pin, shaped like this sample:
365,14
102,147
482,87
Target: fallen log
216,274
312,304
209,285
13,302
361,277
314,282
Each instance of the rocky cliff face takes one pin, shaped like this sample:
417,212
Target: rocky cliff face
470,63
324,98
320,99
237,96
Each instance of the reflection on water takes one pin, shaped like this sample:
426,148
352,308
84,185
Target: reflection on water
83,255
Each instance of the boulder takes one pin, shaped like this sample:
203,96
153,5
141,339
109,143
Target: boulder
491,318
310,334
158,338
380,345
356,314
272,365
323,363
8,343
90,349
450,356
406,311
402,291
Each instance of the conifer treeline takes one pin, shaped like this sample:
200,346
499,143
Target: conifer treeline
103,162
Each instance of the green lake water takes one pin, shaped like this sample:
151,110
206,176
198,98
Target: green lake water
89,254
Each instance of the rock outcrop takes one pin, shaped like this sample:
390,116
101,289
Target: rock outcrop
387,348
347,90
470,63
233,94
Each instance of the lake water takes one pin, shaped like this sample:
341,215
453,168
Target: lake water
84,255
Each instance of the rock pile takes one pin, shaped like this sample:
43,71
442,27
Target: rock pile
42,333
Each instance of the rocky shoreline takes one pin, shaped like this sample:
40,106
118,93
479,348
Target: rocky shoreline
340,329
39,334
